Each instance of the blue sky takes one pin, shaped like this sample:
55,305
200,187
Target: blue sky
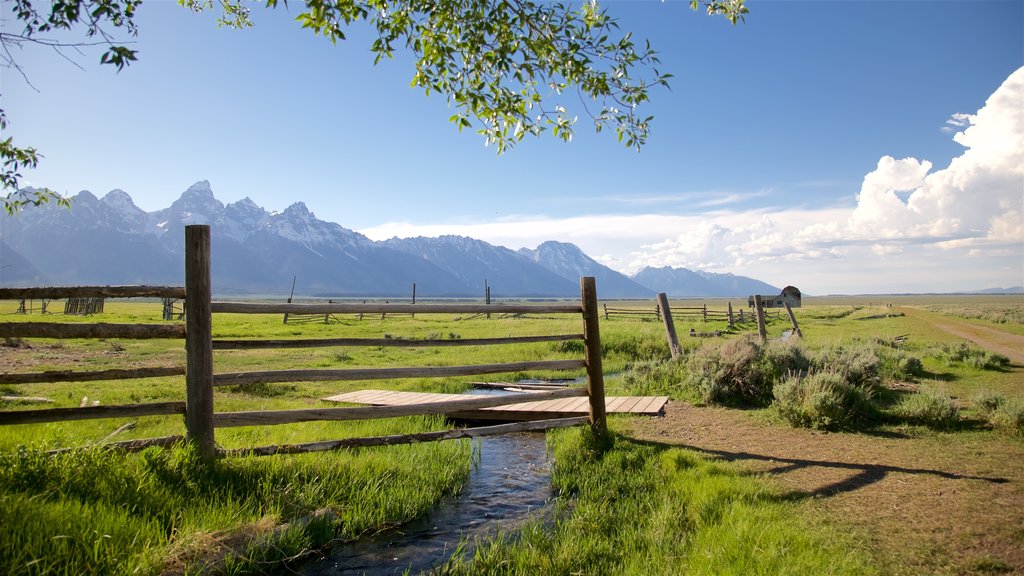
777,153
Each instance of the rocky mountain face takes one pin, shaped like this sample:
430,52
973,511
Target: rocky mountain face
569,262
110,240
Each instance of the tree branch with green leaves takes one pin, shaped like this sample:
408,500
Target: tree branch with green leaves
506,66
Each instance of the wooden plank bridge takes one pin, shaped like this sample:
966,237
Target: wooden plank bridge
540,410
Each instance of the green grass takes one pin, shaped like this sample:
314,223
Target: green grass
630,507
90,511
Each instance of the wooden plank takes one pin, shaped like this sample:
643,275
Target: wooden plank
233,379
628,404
71,376
258,418
91,330
406,438
653,406
284,308
612,403
57,292
90,412
386,342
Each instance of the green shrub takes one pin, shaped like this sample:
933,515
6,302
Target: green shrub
967,355
731,373
1009,417
930,409
896,365
988,402
653,377
858,363
823,400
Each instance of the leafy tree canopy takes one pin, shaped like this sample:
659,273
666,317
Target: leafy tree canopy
502,64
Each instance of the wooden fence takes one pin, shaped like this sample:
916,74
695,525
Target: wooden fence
201,419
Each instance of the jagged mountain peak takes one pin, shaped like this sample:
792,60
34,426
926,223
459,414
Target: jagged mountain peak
200,189
298,209
121,200
113,241
84,197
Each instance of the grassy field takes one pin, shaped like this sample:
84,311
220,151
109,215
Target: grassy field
90,511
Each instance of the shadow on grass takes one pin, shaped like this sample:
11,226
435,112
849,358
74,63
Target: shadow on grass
864,474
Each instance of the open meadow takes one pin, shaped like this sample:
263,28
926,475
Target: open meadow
889,439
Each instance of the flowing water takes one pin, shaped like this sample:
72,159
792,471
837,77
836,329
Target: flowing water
510,480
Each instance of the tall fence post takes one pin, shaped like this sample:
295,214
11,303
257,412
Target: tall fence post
670,327
198,341
592,348
730,316
762,332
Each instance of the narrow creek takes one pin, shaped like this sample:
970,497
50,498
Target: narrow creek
509,481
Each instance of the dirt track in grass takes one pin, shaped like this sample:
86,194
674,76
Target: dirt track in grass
930,504
1005,343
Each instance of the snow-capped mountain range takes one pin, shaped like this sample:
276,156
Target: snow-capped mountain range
110,240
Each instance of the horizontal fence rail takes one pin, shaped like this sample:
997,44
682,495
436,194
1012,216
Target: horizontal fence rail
271,308
267,418
99,330
381,342
90,412
57,292
71,376
237,378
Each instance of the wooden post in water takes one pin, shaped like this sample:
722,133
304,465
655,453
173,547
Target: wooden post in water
592,349
792,318
730,316
670,327
762,332
198,341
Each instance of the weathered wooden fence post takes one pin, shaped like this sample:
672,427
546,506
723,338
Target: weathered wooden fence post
762,332
670,327
592,349
792,318
730,316
198,341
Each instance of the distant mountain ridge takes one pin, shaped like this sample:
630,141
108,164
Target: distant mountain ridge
110,240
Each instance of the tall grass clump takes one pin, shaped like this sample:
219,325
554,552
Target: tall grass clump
658,377
928,408
857,362
742,371
93,511
644,509
825,400
964,354
1006,415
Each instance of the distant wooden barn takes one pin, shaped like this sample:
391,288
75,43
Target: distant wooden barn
790,295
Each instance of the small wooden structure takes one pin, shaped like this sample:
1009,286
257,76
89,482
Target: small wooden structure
83,306
790,295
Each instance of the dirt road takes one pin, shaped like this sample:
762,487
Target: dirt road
927,505
1009,345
